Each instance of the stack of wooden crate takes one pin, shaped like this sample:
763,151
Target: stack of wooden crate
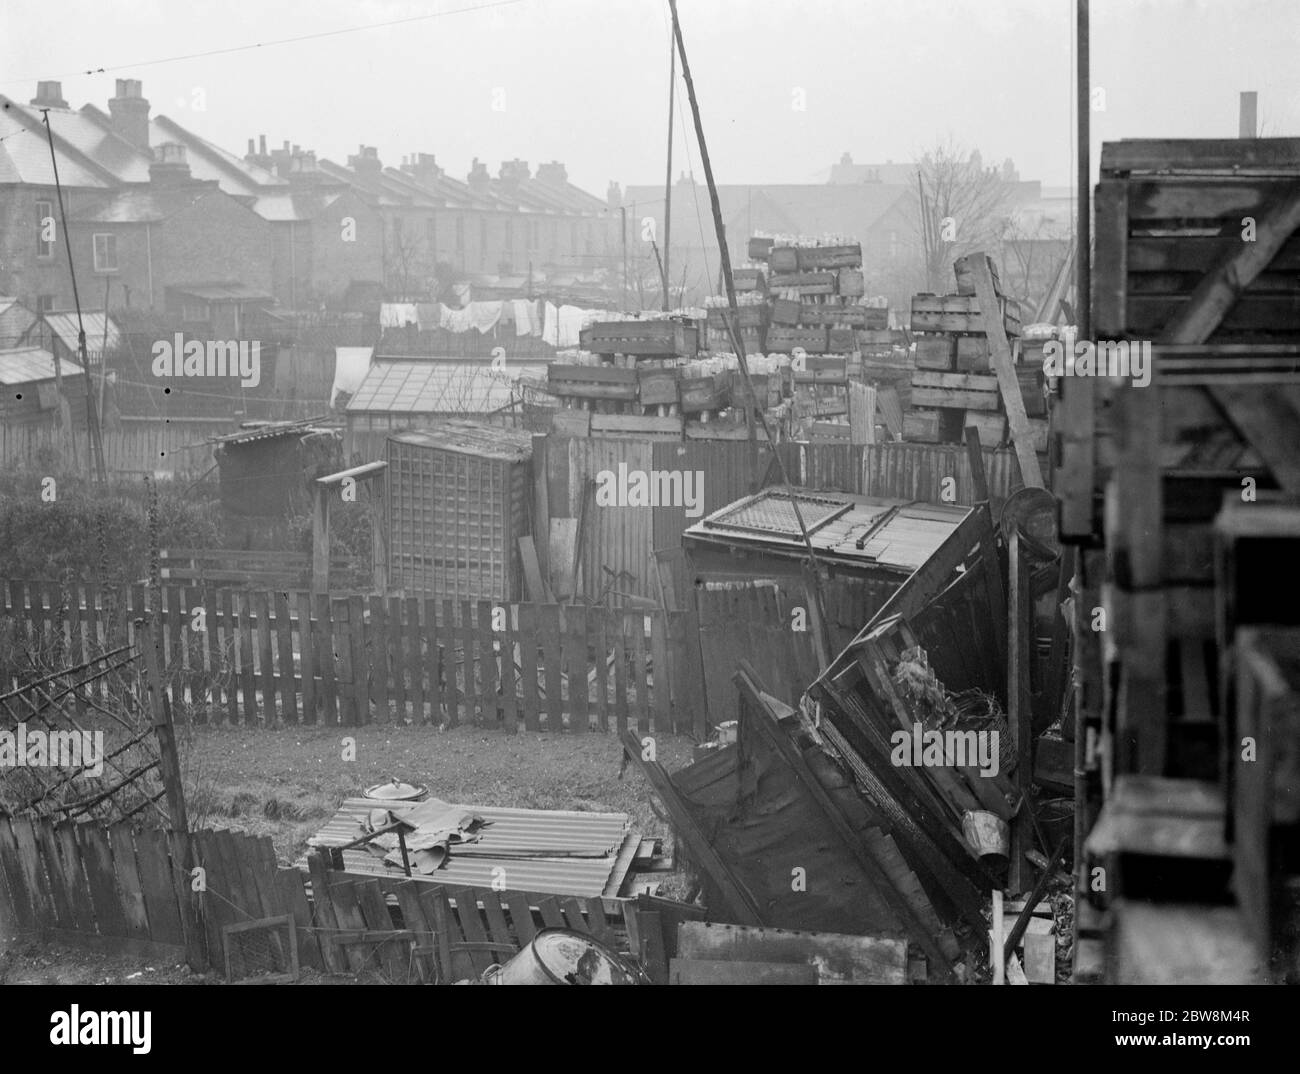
954,384
1193,679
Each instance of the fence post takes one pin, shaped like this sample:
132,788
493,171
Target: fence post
178,837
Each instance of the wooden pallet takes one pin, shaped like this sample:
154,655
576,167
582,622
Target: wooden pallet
650,338
959,313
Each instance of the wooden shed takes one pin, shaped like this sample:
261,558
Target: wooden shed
458,502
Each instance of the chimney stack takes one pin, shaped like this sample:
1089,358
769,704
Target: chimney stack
170,167
365,161
49,95
479,180
1246,120
130,112
552,174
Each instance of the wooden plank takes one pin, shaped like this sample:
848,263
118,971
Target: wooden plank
617,626
37,885
265,656
456,691
453,965
24,916
498,929
549,636
60,897
506,640
307,658
1004,367
528,665
212,913
414,634
251,713
489,665
292,897
347,911
345,670
1040,958
738,900
359,634
157,887
333,957
391,956
378,650
467,912
576,660
548,906
533,581
573,914
74,875
698,972
287,675
662,691
598,631
521,917
433,660
636,627
1019,707
414,920
654,954
230,654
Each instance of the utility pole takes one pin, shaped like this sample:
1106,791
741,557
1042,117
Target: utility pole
94,448
668,177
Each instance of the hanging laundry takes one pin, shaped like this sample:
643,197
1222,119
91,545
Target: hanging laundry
572,320
485,315
452,320
397,314
523,311
551,325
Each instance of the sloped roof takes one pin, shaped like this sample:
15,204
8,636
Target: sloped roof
26,365
472,438
439,387
25,149
140,206
221,292
64,325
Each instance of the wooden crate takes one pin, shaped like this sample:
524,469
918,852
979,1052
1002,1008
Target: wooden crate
635,425
959,313
783,259
934,352
649,338
763,386
753,340
746,317
841,341
591,382
963,270
1169,212
702,393
805,283
813,258
784,340
812,315
835,432
785,311
657,385
973,354
747,279
823,370
921,425
569,422
759,249
1266,789
1031,381
851,283
963,391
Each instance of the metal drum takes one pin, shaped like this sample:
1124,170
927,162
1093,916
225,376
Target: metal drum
565,957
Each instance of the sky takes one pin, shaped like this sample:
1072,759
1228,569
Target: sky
785,87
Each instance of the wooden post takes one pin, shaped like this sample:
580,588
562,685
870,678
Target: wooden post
988,546
1019,709
320,539
378,532
178,837
1004,367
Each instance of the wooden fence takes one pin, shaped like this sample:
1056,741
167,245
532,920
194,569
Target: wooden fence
126,891
256,657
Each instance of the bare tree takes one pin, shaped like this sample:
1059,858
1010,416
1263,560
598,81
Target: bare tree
959,206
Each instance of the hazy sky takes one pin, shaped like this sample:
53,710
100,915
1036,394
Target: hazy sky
585,81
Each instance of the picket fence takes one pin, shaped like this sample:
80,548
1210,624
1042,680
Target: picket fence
258,657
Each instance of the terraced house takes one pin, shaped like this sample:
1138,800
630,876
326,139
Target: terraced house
154,209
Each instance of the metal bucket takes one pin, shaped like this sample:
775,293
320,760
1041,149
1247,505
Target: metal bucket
565,957
986,833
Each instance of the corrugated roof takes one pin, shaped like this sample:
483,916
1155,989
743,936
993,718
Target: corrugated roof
522,836
425,387
850,529
64,325
221,292
25,365
472,438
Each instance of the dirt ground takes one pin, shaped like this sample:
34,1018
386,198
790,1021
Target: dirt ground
288,783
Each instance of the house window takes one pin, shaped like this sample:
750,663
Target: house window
105,252
44,303
44,228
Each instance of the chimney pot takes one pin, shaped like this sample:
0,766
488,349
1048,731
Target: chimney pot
130,113
261,145
49,95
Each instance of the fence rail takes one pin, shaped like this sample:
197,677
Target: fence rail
251,656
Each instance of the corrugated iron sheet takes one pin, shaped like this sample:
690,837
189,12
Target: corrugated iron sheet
907,471
26,365
617,538
512,832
